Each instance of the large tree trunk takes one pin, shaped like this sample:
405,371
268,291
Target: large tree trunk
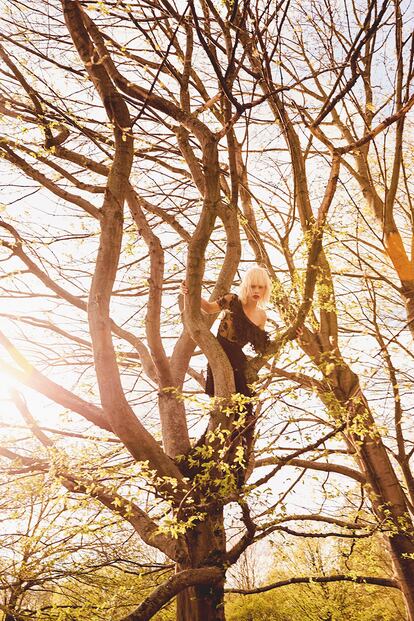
207,546
187,605
404,569
387,496
201,604
408,298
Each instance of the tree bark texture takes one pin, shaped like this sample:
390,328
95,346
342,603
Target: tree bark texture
386,493
206,543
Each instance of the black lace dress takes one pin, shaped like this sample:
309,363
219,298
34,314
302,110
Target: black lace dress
234,332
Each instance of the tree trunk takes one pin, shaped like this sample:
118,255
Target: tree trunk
408,298
206,543
404,569
386,493
201,604
187,605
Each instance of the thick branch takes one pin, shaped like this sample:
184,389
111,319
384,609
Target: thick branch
384,582
314,465
136,438
174,585
31,377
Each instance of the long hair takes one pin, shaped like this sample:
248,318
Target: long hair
255,276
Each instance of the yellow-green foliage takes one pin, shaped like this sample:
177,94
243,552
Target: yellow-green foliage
335,602
338,601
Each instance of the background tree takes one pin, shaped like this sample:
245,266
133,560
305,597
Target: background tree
320,601
179,114
60,551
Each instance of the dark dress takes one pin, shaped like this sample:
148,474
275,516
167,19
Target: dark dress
234,332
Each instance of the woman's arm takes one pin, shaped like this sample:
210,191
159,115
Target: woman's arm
207,307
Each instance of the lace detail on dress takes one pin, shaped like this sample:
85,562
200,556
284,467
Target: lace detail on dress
237,327
225,300
246,330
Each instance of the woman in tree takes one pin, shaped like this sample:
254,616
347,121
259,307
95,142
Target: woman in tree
243,322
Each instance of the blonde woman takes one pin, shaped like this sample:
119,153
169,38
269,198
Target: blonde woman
243,322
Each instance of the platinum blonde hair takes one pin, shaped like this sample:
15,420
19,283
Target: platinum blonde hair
255,276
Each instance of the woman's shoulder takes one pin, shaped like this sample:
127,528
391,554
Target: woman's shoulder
261,317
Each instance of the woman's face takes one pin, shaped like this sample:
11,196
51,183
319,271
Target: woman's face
256,292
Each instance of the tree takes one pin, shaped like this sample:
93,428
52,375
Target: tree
319,601
61,551
163,110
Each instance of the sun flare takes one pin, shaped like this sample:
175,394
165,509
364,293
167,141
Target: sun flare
8,383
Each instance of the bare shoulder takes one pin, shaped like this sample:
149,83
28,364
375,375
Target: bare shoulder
262,317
